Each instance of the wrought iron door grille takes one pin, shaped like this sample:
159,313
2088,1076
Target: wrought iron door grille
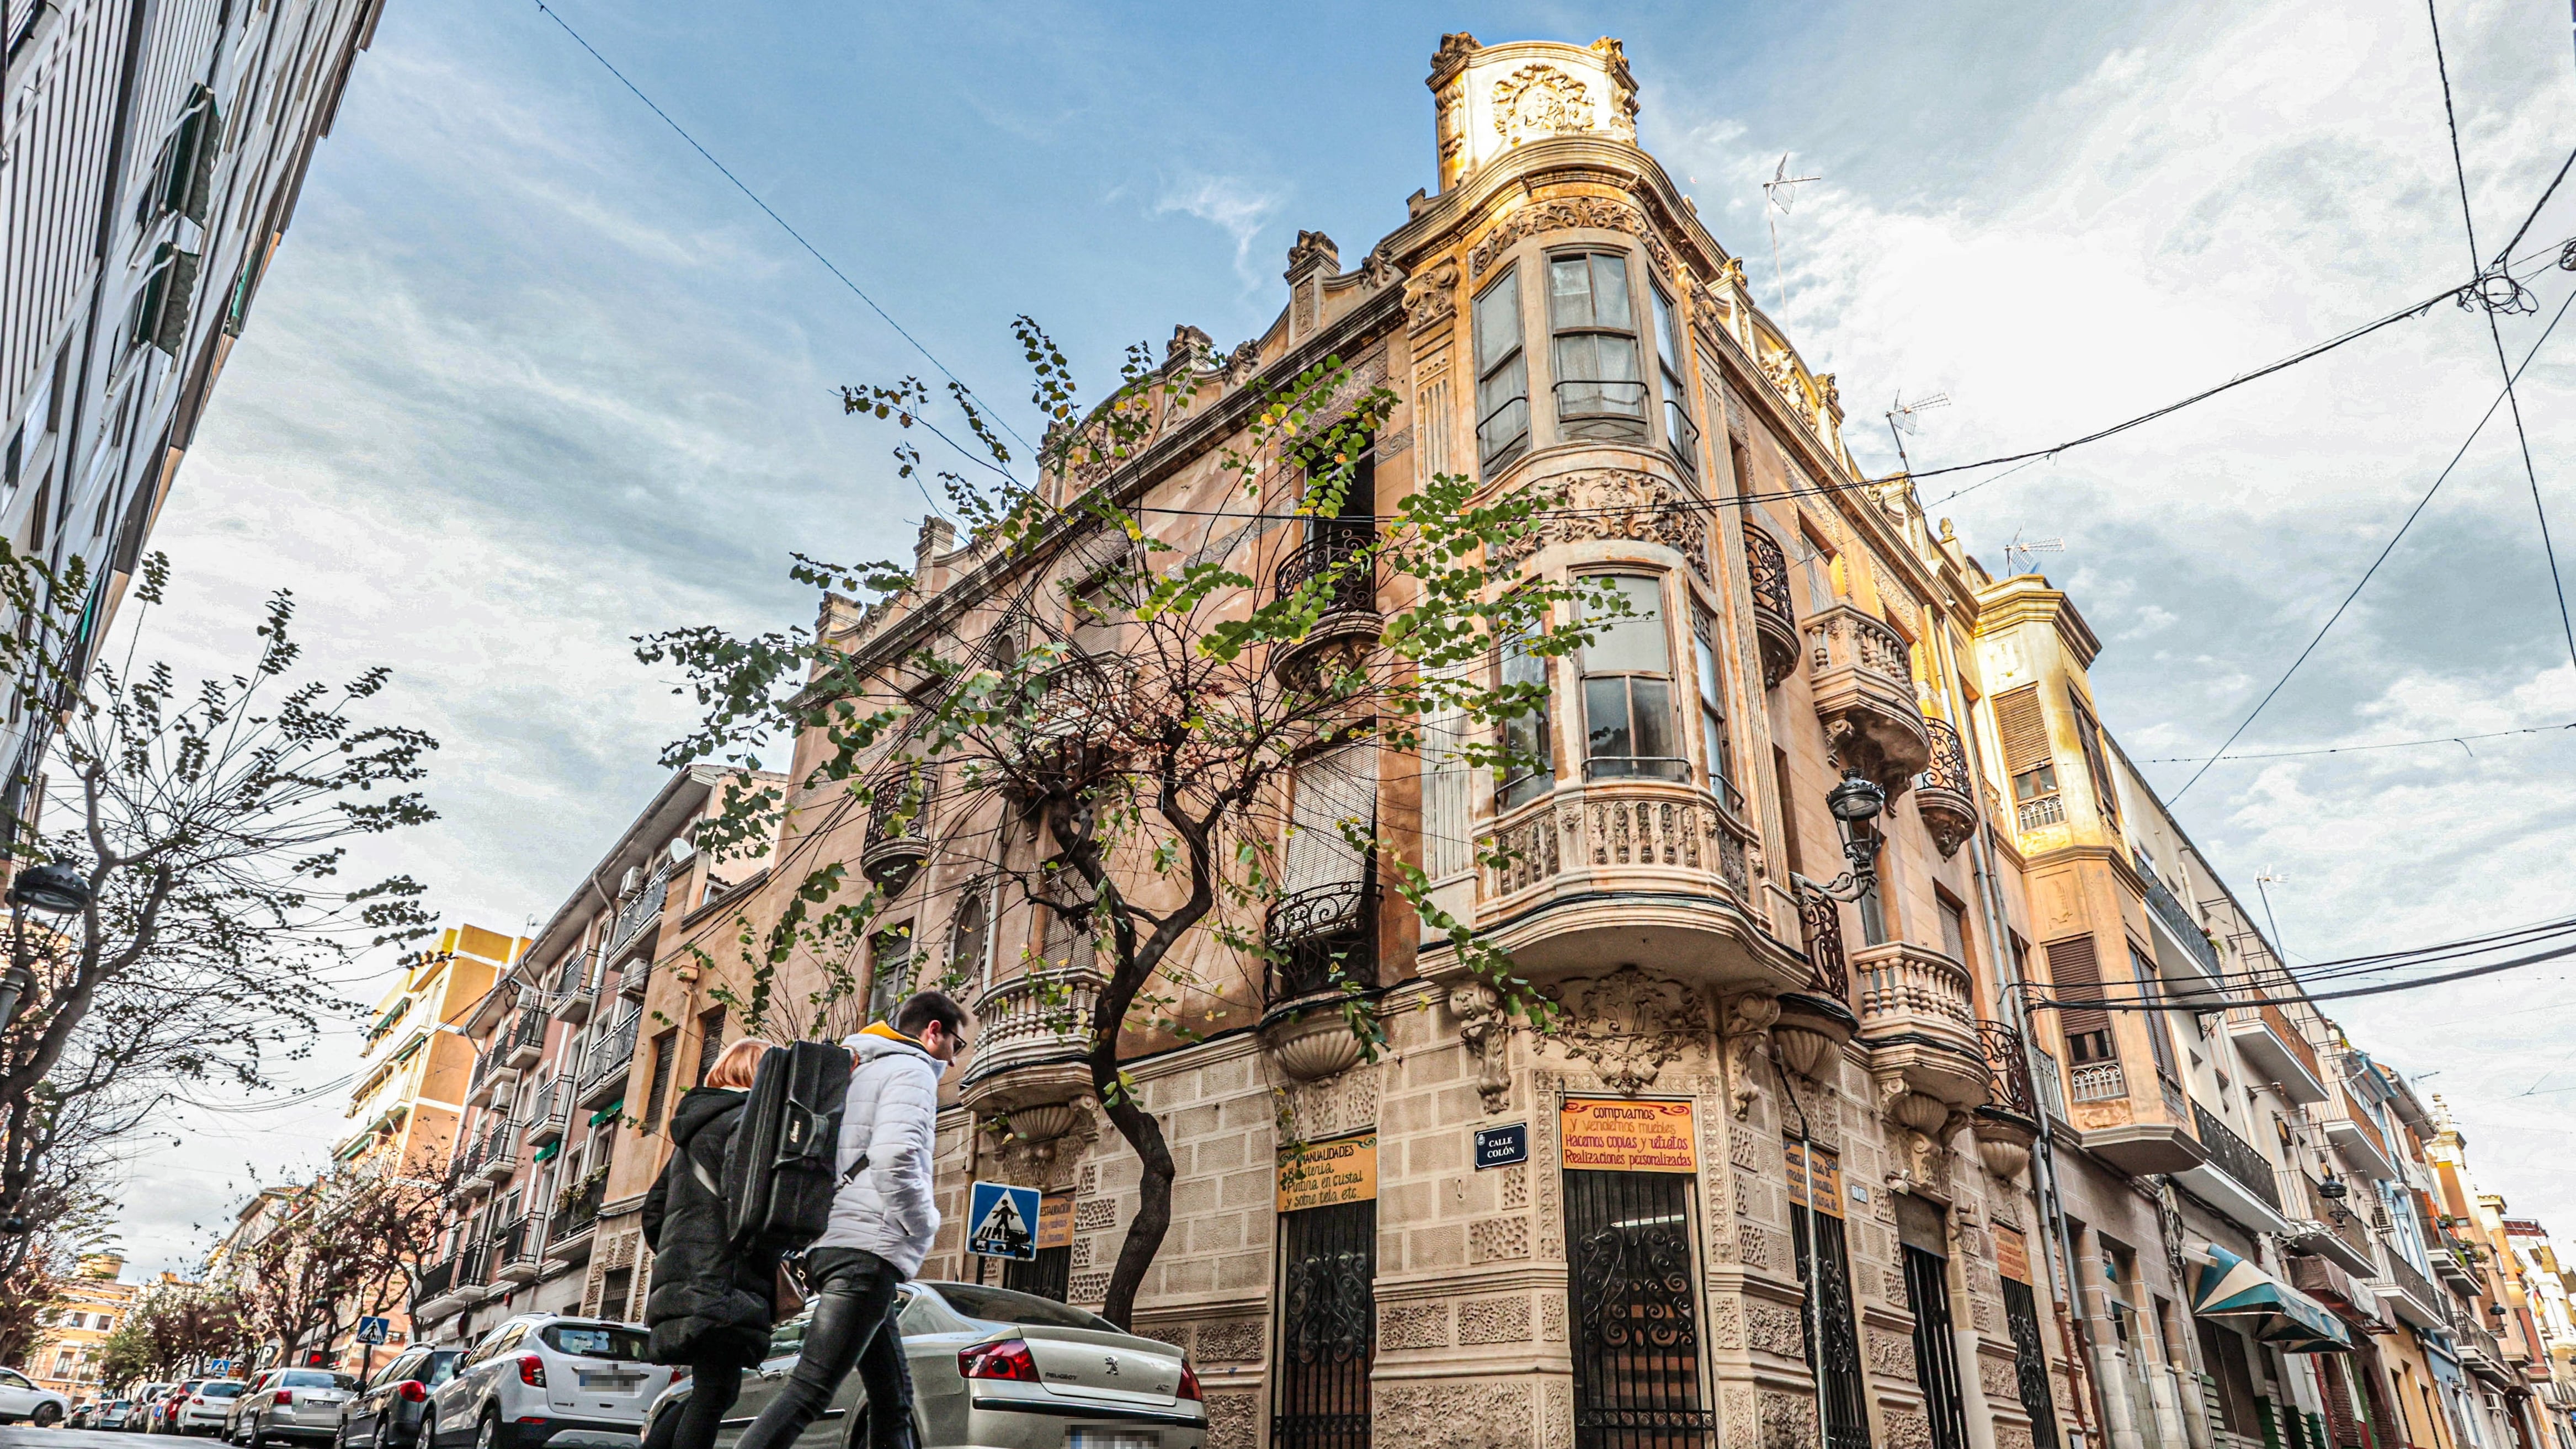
1049,1275
2030,1363
1636,1310
1936,1353
1327,1327
1846,1411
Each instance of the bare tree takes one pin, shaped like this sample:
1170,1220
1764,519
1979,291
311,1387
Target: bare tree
338,1249
175,1329
77,1219
1125,749
209,825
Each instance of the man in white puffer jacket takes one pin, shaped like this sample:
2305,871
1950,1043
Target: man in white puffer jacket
882,1222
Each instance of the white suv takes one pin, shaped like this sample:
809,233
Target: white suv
21,1399
540,1381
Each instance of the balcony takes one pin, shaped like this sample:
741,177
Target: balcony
1604,873
514,1252
473,1273
2480,1354
1032,1044
2455,1266
2359,1303
480,1085
2349,1127
2267,1038
498,1158
634,977
1945,794
1775,623
569,1231
1862,678
1918,1018
525,1042
550,1112
2315,1228
1324,953
1331,581
2008,1125
574,990
2119,1123
639,911
2408,1293
2237,1179
433,1294
2183,948
899,811
603,1067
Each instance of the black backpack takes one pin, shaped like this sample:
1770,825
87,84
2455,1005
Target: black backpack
780,1173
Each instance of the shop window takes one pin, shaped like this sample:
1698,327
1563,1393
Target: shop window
1636,1311
1600,392
1628,689
1502,375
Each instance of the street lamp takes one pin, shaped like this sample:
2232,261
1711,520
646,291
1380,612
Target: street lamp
53,888
1855,803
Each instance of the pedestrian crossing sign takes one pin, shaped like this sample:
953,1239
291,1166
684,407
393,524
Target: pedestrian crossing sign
1002,1221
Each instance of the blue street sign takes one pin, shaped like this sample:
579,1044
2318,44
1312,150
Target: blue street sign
1502,1146
221,1367
1002,1221
373,1330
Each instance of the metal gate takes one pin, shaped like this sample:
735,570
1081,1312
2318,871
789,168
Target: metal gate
1327,1327
2030,1363
1636,1309
1048,1275
1936,1350
1846,1411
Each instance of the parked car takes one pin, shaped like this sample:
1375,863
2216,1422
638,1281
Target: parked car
388,1412
539,1375
112,1414
84,1415
206,1409
289,1403
21,1399
1004,1370
139,1402
165,1409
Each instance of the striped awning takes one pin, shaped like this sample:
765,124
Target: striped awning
2264,1307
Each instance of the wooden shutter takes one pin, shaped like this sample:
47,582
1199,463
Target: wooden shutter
2075,974
2151,988
2089,735
711,1042
665,1047
2023,728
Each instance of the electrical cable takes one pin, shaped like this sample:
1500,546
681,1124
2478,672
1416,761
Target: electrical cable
2460,740
855,289
2391,547
2203,1004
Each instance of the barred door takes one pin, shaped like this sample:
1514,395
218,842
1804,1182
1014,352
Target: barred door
1838,1357
1327,1327
1936,1352
1636,1310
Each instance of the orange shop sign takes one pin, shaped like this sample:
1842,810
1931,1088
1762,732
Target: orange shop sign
1321,1174
1622,1135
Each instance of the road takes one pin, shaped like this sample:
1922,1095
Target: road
20,1436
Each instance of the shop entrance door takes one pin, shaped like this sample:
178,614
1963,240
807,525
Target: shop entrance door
1636,1312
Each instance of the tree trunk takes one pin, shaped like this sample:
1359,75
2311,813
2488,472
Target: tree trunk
1153,1217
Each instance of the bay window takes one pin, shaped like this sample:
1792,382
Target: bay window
1628,688
1681,435
1600,393
1502,375
1712,715
1529,771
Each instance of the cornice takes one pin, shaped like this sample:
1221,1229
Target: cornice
2027,598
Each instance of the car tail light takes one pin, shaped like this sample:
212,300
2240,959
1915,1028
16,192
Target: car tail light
285,1396
532,1371
1190,1385
413,1392
1008,1359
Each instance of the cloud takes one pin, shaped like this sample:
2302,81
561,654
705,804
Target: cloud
1233,205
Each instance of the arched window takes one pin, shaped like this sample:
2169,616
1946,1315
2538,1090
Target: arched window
968,935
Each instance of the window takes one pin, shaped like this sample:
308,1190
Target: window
1095,618
1530,769
1819,566
2089,736
711,1042
1712,715
665,1047
1599,391
1788,808
1502,375
2027,758
1954,929
1681,435
968,935
1628,688
2076,975
2150,989
891,952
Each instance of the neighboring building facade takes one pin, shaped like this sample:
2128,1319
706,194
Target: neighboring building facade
417,1062
153,159
576,1056
87,1310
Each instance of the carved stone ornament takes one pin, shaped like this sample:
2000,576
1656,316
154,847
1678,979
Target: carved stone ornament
1455,49
1243,362
1432,297
1628,1024
1188,345
1566,213
1313,251
1540,100
1747,1031
1485,1029
1617,503
1378,269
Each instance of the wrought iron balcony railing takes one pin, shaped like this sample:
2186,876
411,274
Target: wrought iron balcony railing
902,797
1945,794
2236,1157
1325,938
1822,918
642,911
1766,568
2010,1085
1340,554
2177,918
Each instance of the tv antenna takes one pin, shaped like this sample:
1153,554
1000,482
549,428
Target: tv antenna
2024,548
1779,194
1900,420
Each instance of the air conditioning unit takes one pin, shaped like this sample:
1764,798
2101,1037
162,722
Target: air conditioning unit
631,882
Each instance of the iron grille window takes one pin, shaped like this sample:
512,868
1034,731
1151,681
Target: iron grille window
1636,1311
1846,1409
1628,688
1048,1275
1502,375
1530,769
1936,1355
1327,1327
2030,1363
1600,392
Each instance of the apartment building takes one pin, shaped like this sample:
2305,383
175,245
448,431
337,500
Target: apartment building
576,1054
153,159
416,1062
83,1314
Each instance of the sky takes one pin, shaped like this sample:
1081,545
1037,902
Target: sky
530,378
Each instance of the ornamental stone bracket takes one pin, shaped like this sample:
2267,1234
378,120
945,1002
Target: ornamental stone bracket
1485,1029
1629,1025
1747,1032
1609,503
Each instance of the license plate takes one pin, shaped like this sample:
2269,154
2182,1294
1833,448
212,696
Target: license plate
610,1381
1112,1439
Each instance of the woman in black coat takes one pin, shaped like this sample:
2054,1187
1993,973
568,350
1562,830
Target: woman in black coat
709,1307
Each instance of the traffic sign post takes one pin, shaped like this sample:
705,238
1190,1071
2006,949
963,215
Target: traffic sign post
374,1330
1002,1221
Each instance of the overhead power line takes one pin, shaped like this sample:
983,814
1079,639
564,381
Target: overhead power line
766,210
2204,1004
2461,740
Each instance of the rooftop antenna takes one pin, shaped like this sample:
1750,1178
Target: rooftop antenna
1780,193
1900,421
2024,548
